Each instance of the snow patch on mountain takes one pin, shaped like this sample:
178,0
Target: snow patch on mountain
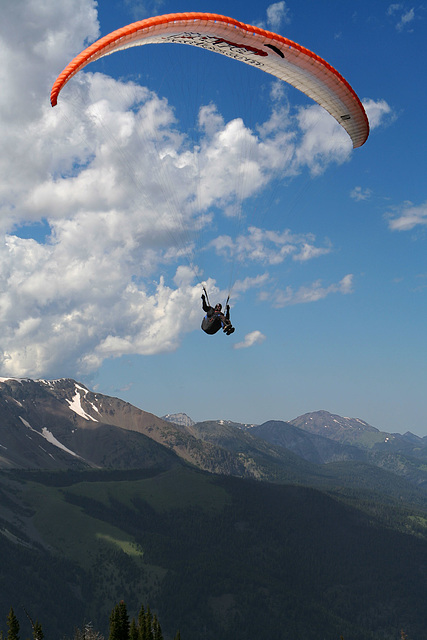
27,424
48,435
76,404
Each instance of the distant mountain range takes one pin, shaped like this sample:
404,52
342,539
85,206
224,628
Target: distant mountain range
61,424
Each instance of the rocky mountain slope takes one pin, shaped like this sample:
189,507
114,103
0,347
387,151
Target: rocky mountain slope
354,431
61,424
179,418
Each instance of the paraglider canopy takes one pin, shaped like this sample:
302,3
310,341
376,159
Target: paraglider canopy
262,49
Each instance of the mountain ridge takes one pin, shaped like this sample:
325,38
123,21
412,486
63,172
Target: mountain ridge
61,424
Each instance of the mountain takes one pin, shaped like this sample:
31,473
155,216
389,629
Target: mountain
354,431
404,455
310,446
179,418
61,424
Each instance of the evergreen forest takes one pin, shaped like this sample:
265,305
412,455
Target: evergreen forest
217,557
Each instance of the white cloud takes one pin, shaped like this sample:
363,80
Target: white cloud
250,339
323,141
406,16
277,14
36,40
358,193
407,216
392,8
379,113
312,293
76,324
307,252
269,247
247,283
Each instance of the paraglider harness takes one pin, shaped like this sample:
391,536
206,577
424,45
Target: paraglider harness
214,319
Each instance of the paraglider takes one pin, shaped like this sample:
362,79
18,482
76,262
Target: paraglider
264,50
214,319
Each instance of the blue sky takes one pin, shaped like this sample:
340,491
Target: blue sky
328,257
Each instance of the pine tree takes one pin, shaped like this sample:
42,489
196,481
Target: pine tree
133,631
148,625
13,626
157,632
178,636
123,621
141,624
113,634
119,623
37,631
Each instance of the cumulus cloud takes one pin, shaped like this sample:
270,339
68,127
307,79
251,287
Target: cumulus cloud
407,216
312,293
63,313
277,14
379,113
323,141
96,248
249,282
250,339
269,247
33,49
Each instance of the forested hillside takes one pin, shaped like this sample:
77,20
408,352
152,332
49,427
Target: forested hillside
217,557
229,531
